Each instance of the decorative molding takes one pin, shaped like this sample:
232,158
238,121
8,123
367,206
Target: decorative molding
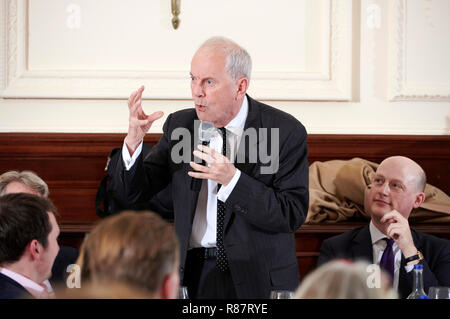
8,43
3,45
331,82
12,40
340,62
399,88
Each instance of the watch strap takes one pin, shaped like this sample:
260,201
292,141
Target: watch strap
418,256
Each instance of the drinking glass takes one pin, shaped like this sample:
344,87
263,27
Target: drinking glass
183,292
281,294
439,293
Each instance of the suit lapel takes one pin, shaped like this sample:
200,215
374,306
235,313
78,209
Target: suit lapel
253,122
15,290
193,195
362,245
243,161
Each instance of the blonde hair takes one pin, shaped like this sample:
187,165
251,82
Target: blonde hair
135,248
102,290
27,178
342,279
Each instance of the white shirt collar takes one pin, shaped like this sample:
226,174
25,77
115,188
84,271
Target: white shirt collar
32,287
237,124
375,233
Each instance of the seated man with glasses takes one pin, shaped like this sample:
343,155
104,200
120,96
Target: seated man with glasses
397,188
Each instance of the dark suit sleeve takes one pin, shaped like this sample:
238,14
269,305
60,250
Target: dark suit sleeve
436,266
326,253
162,204
442,269
134,188
281,203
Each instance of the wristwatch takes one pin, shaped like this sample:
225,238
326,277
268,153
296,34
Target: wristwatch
414,257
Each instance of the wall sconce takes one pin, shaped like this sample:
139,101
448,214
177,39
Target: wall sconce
175,13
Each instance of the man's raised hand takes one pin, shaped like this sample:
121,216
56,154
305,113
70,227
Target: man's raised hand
139,122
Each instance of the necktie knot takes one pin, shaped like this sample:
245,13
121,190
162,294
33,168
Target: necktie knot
222,130
389,242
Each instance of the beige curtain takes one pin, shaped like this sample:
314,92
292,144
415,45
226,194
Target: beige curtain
336,193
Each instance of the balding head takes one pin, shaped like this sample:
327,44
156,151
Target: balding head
412,171
238,62
397,185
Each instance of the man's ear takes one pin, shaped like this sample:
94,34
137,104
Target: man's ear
34,249
242,87
420,198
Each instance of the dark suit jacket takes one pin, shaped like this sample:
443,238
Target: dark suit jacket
11,289
356,244
262,212
66,256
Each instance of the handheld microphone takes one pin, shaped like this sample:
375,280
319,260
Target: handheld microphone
206,131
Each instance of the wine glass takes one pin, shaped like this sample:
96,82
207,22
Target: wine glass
281,294
439,293
183,292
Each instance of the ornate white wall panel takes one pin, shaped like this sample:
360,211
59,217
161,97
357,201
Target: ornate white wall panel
70,65
419,50
105,49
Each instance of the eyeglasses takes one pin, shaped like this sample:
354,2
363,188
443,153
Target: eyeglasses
394,186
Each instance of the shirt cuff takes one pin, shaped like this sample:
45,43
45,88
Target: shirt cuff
409,268
225,191
128,160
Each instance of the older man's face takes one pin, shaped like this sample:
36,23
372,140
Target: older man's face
214,92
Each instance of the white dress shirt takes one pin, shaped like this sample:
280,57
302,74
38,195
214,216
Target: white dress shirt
205,220
36,290
378,245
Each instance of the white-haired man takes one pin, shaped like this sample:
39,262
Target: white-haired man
237,232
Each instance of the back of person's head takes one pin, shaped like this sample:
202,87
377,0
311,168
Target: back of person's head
103,290
343,279
23,218
22,182
138,249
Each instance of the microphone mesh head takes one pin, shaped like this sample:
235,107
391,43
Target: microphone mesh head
206,131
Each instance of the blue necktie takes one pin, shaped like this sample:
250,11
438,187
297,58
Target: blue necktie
387,259
222,262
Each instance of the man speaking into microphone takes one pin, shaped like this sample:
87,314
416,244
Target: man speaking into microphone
236,230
